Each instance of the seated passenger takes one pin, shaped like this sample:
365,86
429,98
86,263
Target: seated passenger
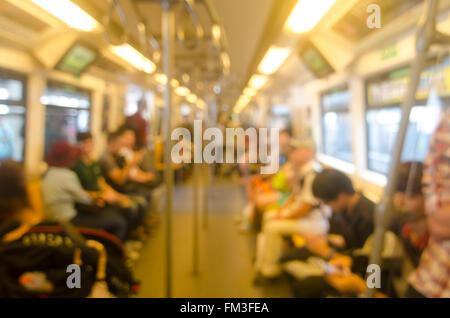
352,220
265,190
121,172
66,200
16,212
269,193
90,176
120,168
410,225
298,215
89,173
285,145
432,277
34,255
127,151
350,226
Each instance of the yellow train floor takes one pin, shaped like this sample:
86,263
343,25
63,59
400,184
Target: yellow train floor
225,254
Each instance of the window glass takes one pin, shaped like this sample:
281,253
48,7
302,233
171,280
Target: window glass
280,116
385,93
67,113
12,132
12,118
336,123
11,90
382,128
338,135
61,97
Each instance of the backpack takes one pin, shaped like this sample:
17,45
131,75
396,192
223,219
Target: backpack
37,264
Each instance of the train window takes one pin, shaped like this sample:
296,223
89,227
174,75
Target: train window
280,116
133,96
12,116
67,112
384,97
336,124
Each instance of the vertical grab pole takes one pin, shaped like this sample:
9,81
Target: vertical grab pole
384,209
168,35
195,248
205,197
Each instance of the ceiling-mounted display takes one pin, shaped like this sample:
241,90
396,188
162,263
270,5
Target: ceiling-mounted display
353,25
314,60
77,59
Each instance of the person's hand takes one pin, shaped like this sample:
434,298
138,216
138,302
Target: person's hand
342,262
100,202
298,240
337,240
318,245
125,201
346,283
110,196
140,176
280,217
137,158
148,176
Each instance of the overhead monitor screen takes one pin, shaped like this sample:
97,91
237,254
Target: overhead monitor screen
315,61
77,59
353,25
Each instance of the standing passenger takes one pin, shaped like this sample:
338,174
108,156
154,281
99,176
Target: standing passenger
432,277
139,124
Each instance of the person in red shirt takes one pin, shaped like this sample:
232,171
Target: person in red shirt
139,125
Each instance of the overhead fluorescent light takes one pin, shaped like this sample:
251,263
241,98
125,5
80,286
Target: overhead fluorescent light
192,98
69,13
257,81
161,79
273,59
250,91
307,14
216,32
182,91
201,104
241,103
225,61
185,110
134,57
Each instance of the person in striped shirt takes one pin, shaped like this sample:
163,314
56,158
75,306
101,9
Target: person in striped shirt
432,278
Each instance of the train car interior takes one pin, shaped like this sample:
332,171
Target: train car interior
225,148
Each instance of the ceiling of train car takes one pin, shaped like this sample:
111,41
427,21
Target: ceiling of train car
244,23
18,27
250,27
202,59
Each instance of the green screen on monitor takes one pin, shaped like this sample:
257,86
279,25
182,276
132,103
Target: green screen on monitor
315,61
77,59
